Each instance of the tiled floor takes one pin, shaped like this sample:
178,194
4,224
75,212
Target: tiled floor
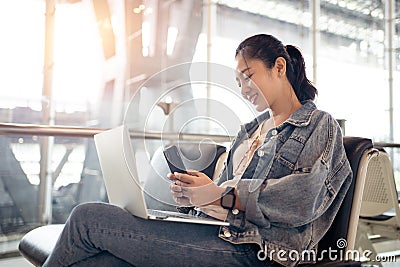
15,262
389,248
21,262
11,248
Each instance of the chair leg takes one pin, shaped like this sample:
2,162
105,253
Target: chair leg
364,244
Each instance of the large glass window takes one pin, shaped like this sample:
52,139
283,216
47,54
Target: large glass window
78,73
396,93
21,53
351,74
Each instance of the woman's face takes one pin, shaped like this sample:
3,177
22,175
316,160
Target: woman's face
259,85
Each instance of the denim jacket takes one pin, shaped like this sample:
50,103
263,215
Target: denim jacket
293,186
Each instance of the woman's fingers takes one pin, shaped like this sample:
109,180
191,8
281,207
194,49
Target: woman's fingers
184,178
194,173
175,187
171,176
193,188
177,178
180,195
183,201
192,178
189,179
180,190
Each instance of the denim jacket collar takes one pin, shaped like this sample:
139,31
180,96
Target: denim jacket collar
300,118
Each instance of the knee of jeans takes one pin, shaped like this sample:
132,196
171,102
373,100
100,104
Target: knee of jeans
83,210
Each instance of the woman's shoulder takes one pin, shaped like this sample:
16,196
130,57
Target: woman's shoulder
325,116
309,115
324,126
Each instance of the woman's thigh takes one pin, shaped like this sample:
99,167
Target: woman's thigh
150,242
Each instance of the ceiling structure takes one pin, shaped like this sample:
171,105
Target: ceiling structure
358,20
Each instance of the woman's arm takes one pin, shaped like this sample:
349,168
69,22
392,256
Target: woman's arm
299,198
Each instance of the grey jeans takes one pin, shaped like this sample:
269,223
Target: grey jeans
99,234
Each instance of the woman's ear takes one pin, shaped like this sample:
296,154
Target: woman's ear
280,65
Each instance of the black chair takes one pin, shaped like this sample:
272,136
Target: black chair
36,245
359,151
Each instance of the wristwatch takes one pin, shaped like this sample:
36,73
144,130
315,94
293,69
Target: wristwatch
228,198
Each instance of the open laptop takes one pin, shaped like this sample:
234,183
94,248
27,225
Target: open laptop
118,165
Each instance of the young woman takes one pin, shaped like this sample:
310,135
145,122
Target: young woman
282,184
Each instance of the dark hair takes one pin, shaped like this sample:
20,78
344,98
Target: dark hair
267,48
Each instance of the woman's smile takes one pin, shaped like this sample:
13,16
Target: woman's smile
252,98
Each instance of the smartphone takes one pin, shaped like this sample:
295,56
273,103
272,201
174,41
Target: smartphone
174,159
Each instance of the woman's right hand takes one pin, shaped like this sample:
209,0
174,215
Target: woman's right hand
194,188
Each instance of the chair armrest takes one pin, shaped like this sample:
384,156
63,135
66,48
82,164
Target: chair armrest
38,243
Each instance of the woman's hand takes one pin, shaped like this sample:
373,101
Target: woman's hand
194,188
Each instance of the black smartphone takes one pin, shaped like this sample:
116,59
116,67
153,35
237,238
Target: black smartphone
174,159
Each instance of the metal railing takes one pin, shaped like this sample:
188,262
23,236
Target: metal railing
71,131
386,144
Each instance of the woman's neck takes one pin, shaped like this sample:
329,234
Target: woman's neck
284,108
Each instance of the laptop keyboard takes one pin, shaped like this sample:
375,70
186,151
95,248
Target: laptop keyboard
164,213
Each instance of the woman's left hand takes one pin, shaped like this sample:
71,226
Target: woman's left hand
194,188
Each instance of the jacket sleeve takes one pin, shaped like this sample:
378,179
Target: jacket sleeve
299,198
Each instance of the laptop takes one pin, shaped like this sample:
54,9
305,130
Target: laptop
118,165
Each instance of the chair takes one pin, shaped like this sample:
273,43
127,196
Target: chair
380,213
359,151
37,244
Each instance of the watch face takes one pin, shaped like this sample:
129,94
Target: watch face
228,201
